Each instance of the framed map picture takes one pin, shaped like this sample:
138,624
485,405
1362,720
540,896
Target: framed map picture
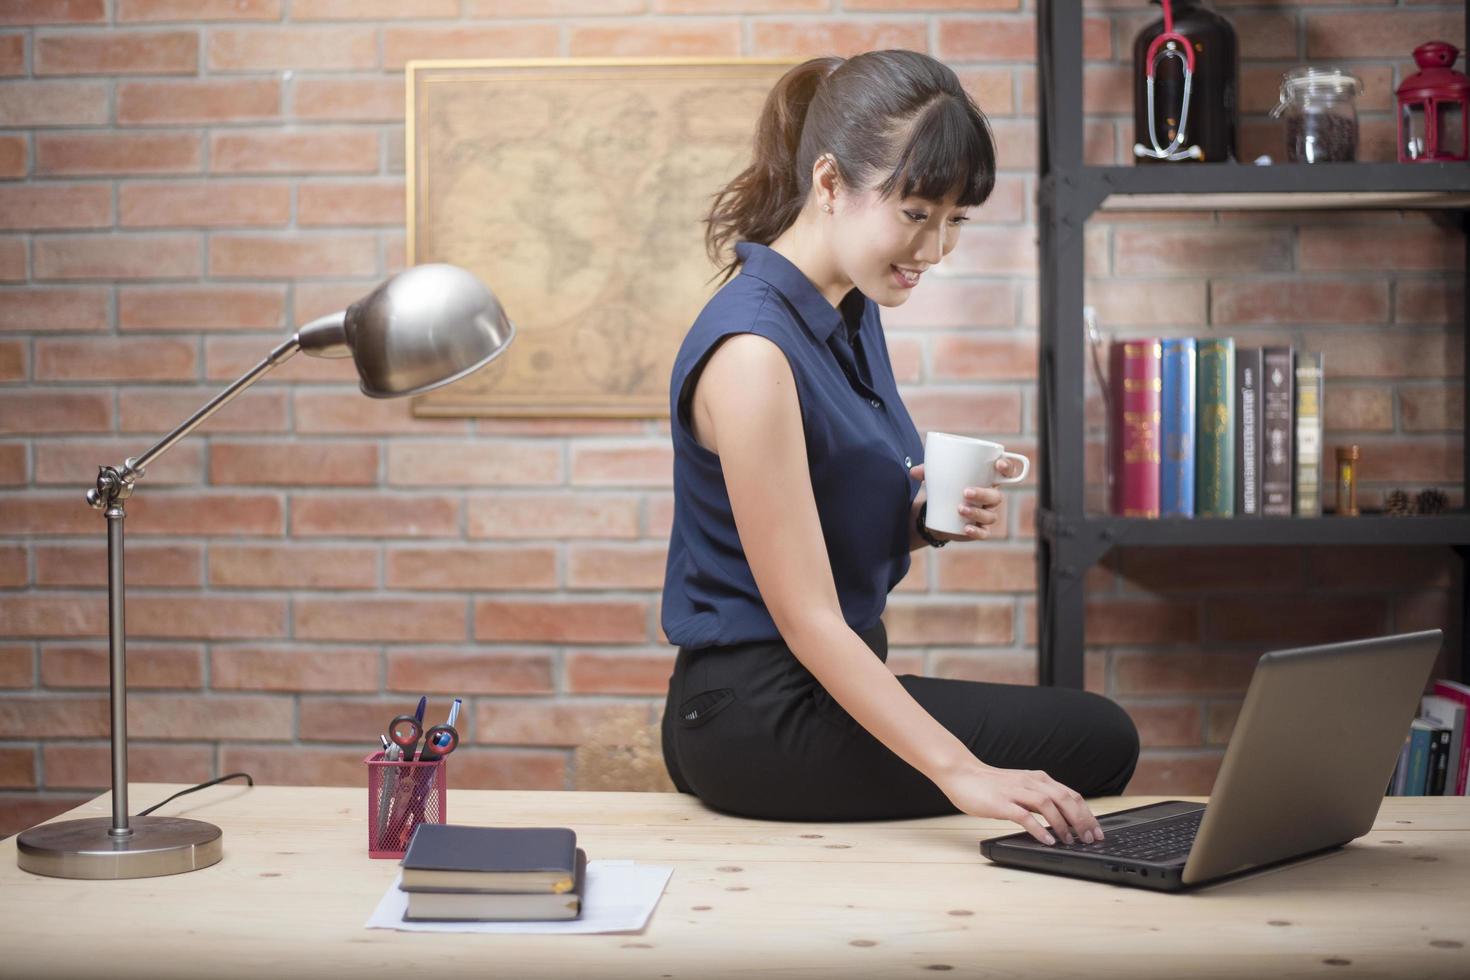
576,190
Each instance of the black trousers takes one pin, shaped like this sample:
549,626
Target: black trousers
751,732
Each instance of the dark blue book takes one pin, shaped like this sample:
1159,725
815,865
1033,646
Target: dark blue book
1176,428
1421,733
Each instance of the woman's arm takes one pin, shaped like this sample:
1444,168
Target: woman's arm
746,398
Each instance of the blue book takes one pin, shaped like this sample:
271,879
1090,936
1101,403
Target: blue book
1420,733
1176,428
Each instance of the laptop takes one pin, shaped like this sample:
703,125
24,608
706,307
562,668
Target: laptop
1306,769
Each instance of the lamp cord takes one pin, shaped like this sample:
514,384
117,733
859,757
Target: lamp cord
192,789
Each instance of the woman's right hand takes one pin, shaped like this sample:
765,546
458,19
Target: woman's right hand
1019,795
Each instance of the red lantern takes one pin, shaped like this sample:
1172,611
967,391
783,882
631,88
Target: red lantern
1434,108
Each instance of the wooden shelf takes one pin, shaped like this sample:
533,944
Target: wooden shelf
1232,186
1368,529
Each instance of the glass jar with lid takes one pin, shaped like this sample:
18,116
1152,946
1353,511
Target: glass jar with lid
1320,107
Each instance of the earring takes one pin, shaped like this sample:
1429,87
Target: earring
827,208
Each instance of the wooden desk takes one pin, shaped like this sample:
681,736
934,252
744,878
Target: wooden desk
747,898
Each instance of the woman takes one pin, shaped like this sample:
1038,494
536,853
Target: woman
797,493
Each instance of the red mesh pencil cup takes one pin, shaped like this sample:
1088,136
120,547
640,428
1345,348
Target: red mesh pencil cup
402,795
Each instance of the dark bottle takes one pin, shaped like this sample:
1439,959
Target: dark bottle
1209,123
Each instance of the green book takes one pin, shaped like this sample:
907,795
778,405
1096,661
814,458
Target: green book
1214,460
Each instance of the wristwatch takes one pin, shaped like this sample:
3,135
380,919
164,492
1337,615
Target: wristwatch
924,531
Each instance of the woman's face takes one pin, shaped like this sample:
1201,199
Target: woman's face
884,245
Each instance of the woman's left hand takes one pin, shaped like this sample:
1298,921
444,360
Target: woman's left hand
979,508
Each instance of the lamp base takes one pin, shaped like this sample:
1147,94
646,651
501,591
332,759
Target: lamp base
85,849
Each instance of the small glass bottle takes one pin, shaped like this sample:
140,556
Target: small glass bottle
1347,481
1321,113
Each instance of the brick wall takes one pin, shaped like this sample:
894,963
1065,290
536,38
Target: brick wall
182,182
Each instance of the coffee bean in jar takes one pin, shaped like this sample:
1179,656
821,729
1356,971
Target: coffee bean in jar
1321,114
1321,137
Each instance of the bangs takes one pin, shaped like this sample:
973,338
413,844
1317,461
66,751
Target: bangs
949,153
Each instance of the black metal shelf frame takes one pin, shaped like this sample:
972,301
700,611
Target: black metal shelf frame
1069,540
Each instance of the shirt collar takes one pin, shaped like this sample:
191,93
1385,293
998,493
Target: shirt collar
820,316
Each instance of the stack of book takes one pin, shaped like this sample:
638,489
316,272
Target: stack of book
1201,428
487,874
1435,759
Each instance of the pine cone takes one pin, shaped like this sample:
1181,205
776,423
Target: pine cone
1396,504
1432,501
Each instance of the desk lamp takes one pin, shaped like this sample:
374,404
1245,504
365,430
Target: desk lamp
425,327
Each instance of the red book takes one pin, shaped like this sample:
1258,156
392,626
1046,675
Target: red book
1456,691
1136,395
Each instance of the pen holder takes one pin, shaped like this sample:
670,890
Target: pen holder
402,795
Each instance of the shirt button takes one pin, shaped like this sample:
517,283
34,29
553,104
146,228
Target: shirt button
908,461
877,403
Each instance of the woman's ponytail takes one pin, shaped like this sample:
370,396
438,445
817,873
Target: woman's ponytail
767,196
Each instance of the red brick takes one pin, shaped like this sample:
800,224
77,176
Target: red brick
55,411
1305,301
618,672
348,99
994,250
478,463
472,569
20,813
72,462
73,765
291,255
204,100
979,412
380,620
701,38
294,463
299,765
376,203
51,514
14,156
159,410
147,565
321,150
14,471
197,10
117,257
343,720
1431,409
1165,570
210,717
201,308
133,359
1410,459
197,513
114,53
291,566
938,622
53,103
1370,34
1431,302
403,44
1174,775
79,154
28,12
494,9
635,465
33,207
955,303
471,672
1287,620
1009,39
502,722
13,571
511,769
293,668
52,716
561,622
374,9
277,48
1152,302
994,569
18,769
1177,672
17,665
206,617
1363,408
348,412
990,357
1166,725
1374,248
375,515
53,615
210,204
1154,251
1361,569
227,358
38,309
551,515
13,263
987,666
616,566
149,665
1380,354
395,251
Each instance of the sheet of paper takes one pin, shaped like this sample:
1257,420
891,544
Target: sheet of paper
620,896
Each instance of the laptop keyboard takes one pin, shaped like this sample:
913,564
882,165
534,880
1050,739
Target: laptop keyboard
1157,841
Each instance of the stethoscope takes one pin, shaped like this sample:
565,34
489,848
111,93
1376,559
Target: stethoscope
1173,45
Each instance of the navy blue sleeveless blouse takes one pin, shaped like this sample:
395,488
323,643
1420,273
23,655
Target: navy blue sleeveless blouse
860,443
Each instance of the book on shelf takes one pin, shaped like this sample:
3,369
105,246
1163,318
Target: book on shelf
1248,432
1277,459
1460,694
1420,735
467,905
1134,378
1214,480
1449,714
1176,427
1309,434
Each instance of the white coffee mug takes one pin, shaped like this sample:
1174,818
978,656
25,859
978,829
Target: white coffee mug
952,463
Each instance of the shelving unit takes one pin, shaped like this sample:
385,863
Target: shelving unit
1069,539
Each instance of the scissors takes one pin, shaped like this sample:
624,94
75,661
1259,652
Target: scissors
440,740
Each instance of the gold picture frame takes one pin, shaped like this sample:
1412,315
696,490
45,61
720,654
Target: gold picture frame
576,189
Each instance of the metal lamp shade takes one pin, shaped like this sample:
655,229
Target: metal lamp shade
425,327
